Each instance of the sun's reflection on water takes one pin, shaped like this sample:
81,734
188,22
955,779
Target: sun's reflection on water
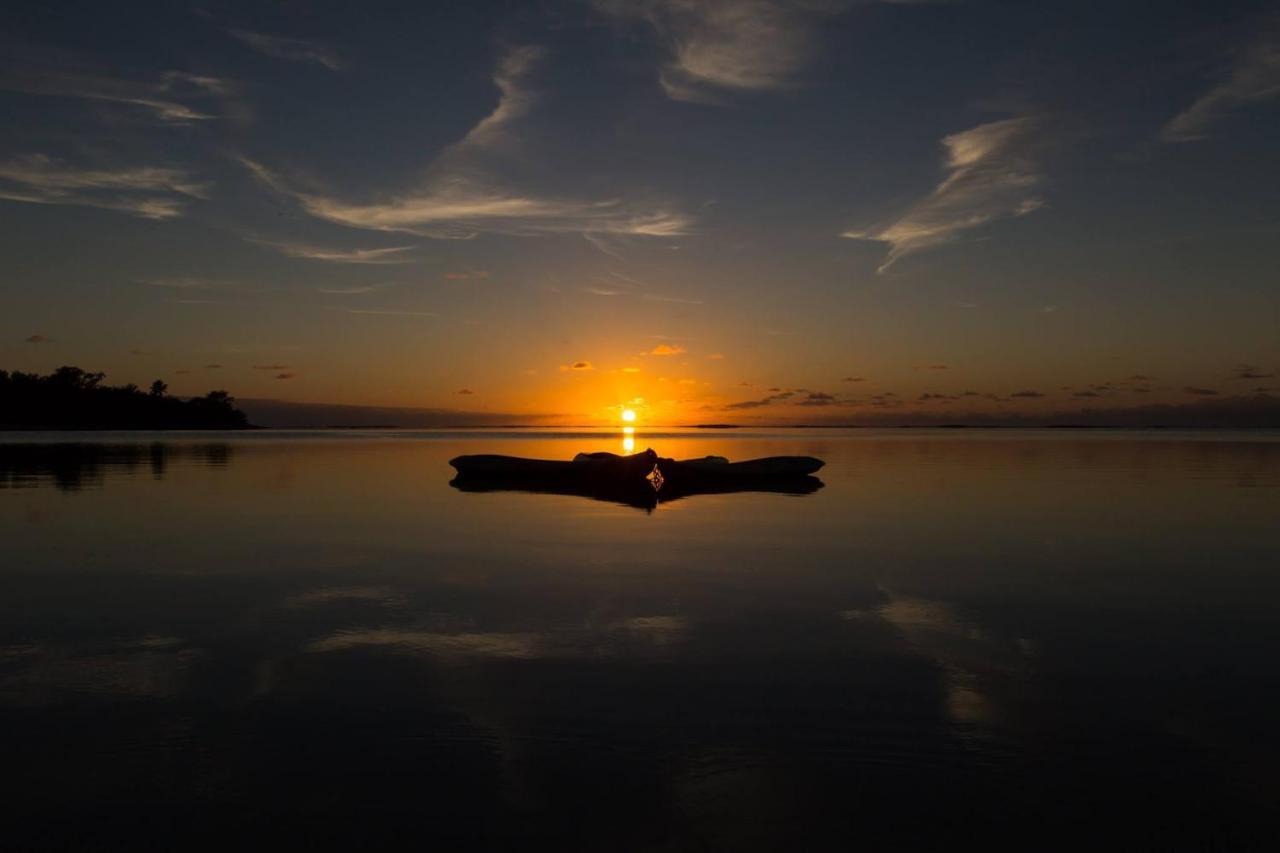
628,439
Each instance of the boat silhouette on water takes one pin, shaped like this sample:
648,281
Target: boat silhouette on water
641,479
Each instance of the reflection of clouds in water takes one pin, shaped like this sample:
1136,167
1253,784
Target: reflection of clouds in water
970,656
652,623
331,595
474,645
618,639
149,667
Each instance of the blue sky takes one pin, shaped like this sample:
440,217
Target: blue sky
957,205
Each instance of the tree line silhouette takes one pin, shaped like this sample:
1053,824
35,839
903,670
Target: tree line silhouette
71,398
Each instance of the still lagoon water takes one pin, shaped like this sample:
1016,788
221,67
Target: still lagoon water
1032,640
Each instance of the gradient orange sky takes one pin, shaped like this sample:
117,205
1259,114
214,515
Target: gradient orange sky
761,212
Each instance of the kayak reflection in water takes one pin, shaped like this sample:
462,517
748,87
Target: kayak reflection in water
640,480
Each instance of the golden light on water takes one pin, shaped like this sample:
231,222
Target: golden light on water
629,437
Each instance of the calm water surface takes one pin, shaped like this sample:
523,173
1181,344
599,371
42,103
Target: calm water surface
1018,640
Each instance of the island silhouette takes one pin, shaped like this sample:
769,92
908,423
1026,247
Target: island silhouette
74,399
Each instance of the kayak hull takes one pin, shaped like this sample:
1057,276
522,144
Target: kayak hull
639,480
637,467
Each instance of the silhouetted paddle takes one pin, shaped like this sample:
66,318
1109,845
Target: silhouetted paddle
637,480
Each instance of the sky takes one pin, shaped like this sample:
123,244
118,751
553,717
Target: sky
743,212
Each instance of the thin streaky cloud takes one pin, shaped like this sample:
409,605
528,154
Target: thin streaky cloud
388,255
1253,78
39,179
460,208
45,173
295,49
182,283
144,208
992,174
389,312
353,291
163,99
679,300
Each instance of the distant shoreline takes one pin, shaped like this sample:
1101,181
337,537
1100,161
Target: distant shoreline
606,429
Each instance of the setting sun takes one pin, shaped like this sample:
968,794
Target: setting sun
629,415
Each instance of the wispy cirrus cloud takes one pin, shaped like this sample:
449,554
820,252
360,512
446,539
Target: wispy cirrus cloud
389,312
184,283
716,47
993,173
1252,78
461,198
355,290
168,98
150,192
294,49
388,255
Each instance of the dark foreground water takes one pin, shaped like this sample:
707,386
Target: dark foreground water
1016,640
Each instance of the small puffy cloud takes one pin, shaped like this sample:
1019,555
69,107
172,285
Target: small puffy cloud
667,349
630,370
817,398
271,367
1086,394
1200,392
578,365
1026,395
466,392
285,375
1246,371
213,367
854,379
765,401
38,339
716,356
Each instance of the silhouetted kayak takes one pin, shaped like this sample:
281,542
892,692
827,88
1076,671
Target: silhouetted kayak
640,466
640,480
